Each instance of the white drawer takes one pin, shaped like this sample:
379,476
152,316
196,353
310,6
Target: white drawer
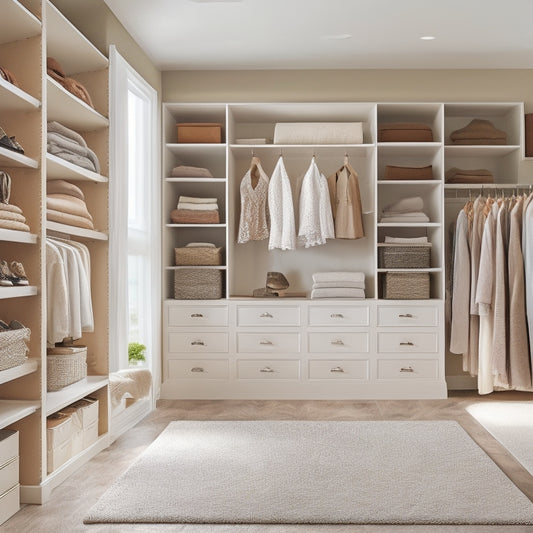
344,342
197,315
408,316
338,369
9,445
265,315
9,503
9,475
408,342
339,315
268,342
198,368
408,368
268,369
201,342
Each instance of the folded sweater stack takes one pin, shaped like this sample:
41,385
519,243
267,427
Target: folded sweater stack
70,146
405,210
338,285
478,131
193,210
65,203
11,216
478,175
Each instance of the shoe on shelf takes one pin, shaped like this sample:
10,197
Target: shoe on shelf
9,142
8,276
4,326
18,270
5,279
15,324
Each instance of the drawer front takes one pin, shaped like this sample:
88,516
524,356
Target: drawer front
9,445
268,342
408,316
248,315
408,342
198,368
339,316
268,369
9,475
343,342
9,503
201,342
197,316
408,368
339,369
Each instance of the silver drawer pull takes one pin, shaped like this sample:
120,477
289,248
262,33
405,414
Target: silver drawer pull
267,370
338,342
406,315
197,343
265,315
336,315
406,369
338,369
197,315
408,343
197,369
266,343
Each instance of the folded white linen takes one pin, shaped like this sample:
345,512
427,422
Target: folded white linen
406,240
338,276
405,205
200,245
197,207
332,292
339,285
196,200
413,217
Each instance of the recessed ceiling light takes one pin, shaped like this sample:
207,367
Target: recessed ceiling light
337,37
427,38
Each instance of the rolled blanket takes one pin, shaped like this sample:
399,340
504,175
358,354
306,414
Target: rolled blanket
11,208
339,284
64,187
71,220
183,171
406,240
9,215
197,207
67,204
196,200
405,205
338,276
189,216
14,225
478,131
337,293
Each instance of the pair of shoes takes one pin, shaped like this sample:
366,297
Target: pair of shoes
13,274
10,142
14,324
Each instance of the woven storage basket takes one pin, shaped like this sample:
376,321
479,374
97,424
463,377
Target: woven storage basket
197,284
406,286
198,256
404,255
65,365
13,349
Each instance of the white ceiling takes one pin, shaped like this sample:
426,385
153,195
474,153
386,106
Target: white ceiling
293,34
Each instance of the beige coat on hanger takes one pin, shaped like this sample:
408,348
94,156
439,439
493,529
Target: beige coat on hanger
345,200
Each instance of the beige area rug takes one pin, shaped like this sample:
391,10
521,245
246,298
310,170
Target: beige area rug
302,472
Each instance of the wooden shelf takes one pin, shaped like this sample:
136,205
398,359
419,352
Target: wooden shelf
17,292
76,232
58,399
30,366
14,99
11,235
57,168
17,22
10,158
12,411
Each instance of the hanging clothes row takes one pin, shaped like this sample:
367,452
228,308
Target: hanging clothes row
328,208
68,286
491,312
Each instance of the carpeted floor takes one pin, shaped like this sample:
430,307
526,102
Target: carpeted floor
297,472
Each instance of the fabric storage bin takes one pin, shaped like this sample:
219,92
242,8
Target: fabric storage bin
13,348
84,416
65,365
404,132
197,284
318,133
406,286
404,255
198,256
199,132
58,440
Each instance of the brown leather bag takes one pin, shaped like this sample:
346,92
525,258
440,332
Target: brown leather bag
55,71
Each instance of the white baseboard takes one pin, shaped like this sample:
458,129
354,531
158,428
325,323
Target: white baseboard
461,382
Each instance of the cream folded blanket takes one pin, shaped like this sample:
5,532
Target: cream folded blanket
338,276
71,220
339,285
337,293
196,200
134,383
14,225
405,205
9,215
406,217
406,240
64,187
197,207
183,171
10,208
67,204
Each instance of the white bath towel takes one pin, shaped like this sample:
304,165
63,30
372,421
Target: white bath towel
339,285
405,205
338,276
406,240
333,292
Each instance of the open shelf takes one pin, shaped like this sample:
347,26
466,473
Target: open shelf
17,292
10,158
303,150
30,366
14,99
11,235
470,150
17,22
57,168
12,411
76,232
58,399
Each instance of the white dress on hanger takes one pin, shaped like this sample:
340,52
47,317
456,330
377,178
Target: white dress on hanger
57,302
527,251
280,206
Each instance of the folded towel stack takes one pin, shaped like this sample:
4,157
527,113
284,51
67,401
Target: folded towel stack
478,131
405,210
70,146
193,210
478,175
184,171
338,285
65,203
11,216
406,240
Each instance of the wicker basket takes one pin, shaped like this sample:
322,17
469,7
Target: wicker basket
65,365
13,349
406,286
198,256
404,255
197,284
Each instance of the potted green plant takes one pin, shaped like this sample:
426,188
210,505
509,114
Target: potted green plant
136,353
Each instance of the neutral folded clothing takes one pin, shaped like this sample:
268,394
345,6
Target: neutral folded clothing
183,171
458,175
10,208
64,187
478,131
69,219
404,132
339,284
319,277
196,200
342,292
14,225
405,217
197,207
67,204
200,245
194,216
405,205
318,133
406,240
408,173
9,215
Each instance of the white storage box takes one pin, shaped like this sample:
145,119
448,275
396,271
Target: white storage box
9,445
318,133
55,457
90,435
9,475
84,416
9,503
58,430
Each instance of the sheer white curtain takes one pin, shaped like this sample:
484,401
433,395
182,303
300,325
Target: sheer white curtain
134,216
